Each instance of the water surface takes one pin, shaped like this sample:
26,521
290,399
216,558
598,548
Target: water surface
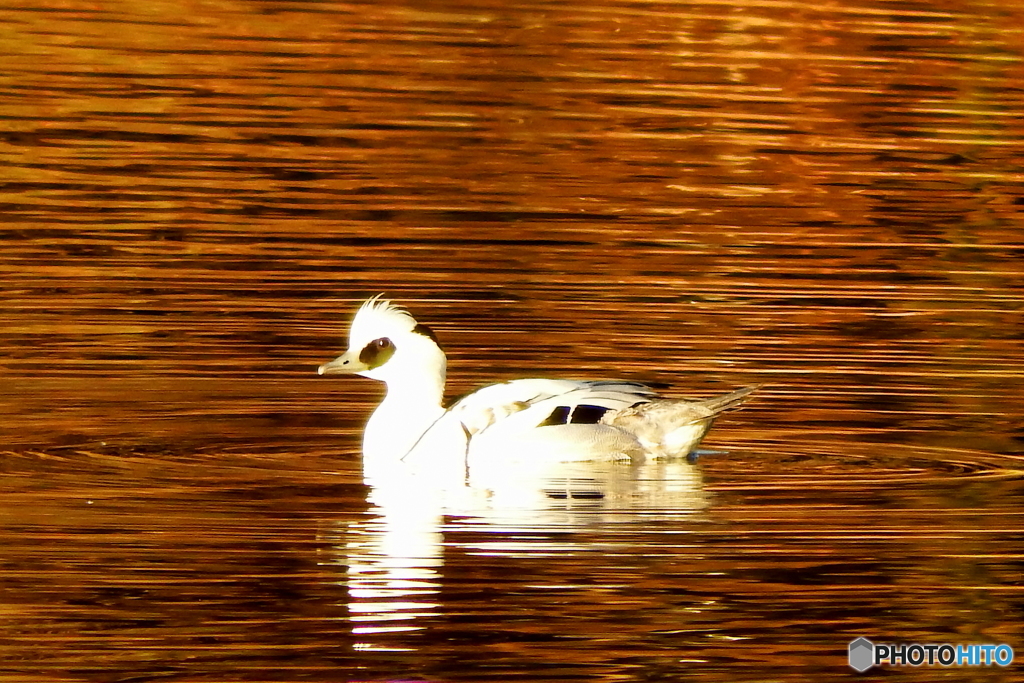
196,196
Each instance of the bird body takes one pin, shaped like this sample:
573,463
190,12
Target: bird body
524,419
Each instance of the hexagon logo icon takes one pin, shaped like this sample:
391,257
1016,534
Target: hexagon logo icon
862,654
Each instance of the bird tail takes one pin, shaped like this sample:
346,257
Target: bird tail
674,426
683,438
720,404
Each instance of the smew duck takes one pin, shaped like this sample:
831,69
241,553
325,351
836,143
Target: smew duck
523,419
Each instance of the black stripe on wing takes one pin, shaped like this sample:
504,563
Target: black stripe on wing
581,414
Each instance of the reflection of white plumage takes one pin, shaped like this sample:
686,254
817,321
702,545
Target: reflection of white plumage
525,419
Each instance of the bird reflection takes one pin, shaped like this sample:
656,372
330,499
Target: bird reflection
393,560
395,557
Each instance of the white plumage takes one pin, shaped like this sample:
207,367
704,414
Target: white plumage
526,419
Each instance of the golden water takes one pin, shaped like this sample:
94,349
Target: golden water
195,195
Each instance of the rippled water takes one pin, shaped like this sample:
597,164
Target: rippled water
195,196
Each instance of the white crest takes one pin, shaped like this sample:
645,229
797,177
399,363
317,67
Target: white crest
376,318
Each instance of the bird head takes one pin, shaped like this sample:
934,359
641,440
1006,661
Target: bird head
387,344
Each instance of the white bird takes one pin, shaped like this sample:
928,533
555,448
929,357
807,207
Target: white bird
524,419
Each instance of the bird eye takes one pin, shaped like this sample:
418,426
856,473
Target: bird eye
382,343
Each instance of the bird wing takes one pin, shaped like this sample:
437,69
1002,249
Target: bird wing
510,409
528,403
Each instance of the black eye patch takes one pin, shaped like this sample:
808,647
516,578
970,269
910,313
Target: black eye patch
377,353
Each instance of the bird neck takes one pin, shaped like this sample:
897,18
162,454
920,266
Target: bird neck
410,407
424,391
